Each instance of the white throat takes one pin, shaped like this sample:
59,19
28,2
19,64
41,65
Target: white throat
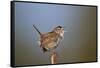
62,34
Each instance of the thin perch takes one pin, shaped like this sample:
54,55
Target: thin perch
53,57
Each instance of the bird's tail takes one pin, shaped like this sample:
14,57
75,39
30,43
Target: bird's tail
37,30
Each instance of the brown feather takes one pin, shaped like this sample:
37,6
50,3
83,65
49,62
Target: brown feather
48,40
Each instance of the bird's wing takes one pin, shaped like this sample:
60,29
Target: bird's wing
48,38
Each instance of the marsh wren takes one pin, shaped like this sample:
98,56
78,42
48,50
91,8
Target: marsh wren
51,39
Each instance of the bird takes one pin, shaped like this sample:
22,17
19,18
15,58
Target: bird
50,40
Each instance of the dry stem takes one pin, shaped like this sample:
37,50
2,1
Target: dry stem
53,57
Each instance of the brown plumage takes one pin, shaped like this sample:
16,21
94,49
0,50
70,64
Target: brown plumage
51,39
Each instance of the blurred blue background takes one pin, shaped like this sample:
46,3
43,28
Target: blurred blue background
78,45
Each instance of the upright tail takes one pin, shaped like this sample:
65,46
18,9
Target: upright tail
37,30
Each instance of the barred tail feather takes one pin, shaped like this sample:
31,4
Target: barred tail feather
37,30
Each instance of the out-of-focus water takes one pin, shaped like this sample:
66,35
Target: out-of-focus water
78,45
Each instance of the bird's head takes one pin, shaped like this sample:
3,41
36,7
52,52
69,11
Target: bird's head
59,30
